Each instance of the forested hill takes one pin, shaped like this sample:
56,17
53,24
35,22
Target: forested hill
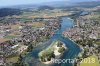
45,7
9,12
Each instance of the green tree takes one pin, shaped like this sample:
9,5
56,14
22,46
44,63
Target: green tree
30,48
62,49
20,58
59,44
46,56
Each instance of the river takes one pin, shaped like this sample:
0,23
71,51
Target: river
72,52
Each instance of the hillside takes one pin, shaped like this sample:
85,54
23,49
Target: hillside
9,12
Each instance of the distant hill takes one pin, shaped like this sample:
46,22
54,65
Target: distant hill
57,4
88,4
45,4
9,12
45,7
69,3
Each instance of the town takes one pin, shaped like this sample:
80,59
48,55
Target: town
33,35
86,33
18,33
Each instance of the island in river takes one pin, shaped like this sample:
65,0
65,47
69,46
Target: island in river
55,50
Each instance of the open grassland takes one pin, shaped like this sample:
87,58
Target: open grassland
12,59
3,40
38,24
10,37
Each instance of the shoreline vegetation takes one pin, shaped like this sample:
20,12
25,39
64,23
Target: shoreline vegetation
55,50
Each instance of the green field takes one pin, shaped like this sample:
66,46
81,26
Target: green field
98,43
10,37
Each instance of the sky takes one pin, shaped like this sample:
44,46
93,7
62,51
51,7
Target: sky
19,2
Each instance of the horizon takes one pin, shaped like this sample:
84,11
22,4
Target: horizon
4,3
